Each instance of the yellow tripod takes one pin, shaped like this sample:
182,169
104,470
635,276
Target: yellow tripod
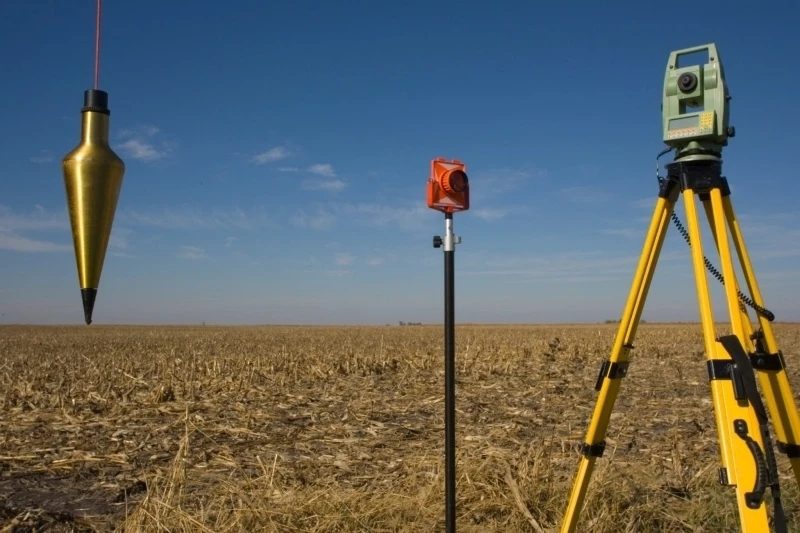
747,456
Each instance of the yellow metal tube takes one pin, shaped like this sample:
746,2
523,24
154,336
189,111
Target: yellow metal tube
778,396
737,459
619,354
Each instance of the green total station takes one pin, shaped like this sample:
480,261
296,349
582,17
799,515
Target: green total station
695,106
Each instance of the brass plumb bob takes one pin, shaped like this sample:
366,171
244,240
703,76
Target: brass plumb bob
93,180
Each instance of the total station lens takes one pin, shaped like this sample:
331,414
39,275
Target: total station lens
687,82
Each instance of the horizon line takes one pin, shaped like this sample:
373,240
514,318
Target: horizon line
356,325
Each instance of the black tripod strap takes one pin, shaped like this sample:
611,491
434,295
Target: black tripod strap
745,369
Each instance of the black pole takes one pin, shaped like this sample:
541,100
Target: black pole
449,378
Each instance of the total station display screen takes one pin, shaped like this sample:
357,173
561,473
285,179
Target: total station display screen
684,122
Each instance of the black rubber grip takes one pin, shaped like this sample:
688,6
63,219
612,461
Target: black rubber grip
755,497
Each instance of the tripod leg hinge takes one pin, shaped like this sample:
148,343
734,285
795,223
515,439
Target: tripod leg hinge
611,371
725,369
792,451
724,190
723,476
667,188
768,361
593,450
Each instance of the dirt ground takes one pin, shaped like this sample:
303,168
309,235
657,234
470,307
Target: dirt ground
341,429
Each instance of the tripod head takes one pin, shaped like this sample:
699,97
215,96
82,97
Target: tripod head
694,108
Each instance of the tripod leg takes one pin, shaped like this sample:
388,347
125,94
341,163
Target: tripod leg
616,366
743,318
740,441
768,361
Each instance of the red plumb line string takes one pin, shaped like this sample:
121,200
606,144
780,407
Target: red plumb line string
97,46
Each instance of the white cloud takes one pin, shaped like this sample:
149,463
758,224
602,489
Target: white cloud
375,261
571,266
173,218
766,222
323,170
38,220
271,155
344,259
410,218
138,149
625,232
648,202
330,185
18,243
489,213
119,237
568,267
44,157
331,273
585,194
191,252
778,244
496,182
139,145
148,131
324,185
15,226
288,169
11,224
323,220
191,218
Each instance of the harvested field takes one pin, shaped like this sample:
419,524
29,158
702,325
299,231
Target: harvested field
301,429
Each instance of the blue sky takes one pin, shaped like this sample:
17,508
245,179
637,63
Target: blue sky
276,157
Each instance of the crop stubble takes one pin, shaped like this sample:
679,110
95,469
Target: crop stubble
323,429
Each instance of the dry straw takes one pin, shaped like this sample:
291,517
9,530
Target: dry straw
340,429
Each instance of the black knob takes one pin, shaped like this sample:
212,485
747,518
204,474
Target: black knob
437,242
731,131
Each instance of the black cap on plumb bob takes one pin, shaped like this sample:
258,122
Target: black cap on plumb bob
95,100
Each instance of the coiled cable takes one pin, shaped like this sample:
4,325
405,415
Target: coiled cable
769,315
